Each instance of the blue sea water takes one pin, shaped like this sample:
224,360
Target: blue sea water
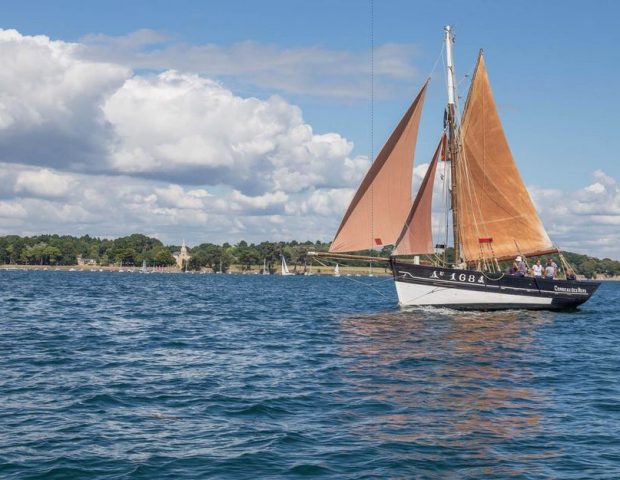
112,375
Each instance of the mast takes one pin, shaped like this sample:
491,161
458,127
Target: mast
453,143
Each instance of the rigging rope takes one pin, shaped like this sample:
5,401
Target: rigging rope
358,281
372,121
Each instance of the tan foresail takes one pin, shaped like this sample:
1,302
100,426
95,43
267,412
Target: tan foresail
417,234
493,200
379,208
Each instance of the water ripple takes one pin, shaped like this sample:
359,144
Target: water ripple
122,376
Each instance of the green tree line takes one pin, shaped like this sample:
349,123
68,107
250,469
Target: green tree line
133,249
65,250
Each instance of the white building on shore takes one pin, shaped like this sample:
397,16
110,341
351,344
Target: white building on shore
182,257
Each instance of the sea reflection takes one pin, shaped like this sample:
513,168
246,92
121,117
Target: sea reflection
458,381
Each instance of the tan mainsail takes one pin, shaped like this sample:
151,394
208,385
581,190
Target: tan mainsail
417,234
493,200
376,214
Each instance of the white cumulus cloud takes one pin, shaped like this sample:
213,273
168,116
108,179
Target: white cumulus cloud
586,220
185,127
43,183
50,106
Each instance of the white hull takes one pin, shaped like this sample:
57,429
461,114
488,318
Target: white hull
410,294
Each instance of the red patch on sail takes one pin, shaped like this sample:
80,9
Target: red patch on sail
485,240
378,241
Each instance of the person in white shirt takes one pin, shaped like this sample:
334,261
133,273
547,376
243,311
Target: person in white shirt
537,269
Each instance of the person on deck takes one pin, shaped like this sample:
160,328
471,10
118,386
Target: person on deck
555,268
513,269
521,267
537,269
570,275
550,269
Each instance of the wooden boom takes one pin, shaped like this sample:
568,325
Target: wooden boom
344,256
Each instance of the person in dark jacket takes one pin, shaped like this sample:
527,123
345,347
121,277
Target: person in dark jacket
513,269
521,267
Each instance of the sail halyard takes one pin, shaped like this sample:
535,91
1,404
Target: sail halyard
494,202
417,234
381,204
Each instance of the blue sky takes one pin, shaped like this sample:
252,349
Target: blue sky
553,66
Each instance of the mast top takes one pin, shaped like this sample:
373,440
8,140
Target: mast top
449,39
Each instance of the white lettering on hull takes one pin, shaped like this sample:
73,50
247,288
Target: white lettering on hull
557,288
454,277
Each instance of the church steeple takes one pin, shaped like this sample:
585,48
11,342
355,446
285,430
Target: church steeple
182,257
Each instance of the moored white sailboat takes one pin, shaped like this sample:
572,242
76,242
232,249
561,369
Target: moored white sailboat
492,215
284,270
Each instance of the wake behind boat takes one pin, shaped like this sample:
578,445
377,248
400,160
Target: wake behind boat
486,204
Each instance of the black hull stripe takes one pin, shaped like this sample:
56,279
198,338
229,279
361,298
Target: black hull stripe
527,292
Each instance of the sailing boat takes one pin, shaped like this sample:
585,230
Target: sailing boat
493,217
284,267
265,271
336,271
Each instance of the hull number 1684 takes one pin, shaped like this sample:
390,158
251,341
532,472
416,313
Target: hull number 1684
461,277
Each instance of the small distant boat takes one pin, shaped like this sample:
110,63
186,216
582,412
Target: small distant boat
265,271
220,270
143,269
285,267
336,271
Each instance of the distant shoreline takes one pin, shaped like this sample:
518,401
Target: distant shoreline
256,270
